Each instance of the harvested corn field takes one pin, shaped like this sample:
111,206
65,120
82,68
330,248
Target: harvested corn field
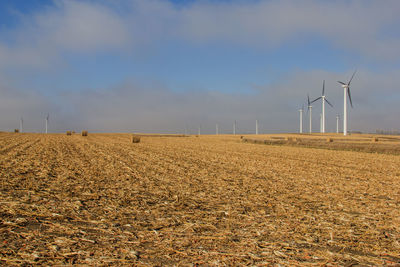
211,200
358,142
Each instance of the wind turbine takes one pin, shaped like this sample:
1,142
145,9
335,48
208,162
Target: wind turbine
309,109
301,119
47,121
323,97
346,90
234,128
21,125
199,130
216,129
256,126
337,123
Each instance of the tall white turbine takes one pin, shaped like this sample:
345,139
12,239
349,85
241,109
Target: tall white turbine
216,129
301,120
256,126
234,128
309,110
337,123
199,130
47,122
21,125
346,91
323,98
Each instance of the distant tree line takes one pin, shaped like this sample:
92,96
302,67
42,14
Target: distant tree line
389,132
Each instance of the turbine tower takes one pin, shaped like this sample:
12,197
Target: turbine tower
216,129
323,98
309,110
256,126
301,120
199,130
21,125
234,128
47,122
346,90
320,122
337,123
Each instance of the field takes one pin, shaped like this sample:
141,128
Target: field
212,200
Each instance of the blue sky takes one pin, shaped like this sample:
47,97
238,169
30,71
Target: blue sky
158,66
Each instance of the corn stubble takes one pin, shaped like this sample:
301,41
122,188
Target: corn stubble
209,200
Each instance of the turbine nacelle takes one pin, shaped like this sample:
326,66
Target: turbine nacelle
343,85
347,87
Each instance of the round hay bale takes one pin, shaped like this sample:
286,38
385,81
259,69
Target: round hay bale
69,133
290,139
329,140
375,139
16,131
84,133
135,139
241,137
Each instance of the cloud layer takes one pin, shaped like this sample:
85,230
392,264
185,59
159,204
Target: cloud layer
42,40
141,107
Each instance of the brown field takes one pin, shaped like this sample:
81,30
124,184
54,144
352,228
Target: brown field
212,200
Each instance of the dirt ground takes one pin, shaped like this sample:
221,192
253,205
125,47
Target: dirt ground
208,200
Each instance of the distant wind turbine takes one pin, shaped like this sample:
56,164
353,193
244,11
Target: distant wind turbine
47,122
21,125
309,110
234,128
216,129
301,119
323,98
256,126
337,123
346,90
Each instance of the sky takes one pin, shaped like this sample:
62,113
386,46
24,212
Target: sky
166,65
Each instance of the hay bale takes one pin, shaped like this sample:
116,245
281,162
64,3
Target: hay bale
135,139
68,132
375,139
329,140
16,131
290,139
84,133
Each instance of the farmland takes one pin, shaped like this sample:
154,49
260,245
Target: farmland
211,200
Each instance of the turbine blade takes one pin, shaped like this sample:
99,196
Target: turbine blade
308,99
341,82
316,99
328,102
323,88
348,92
352,77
